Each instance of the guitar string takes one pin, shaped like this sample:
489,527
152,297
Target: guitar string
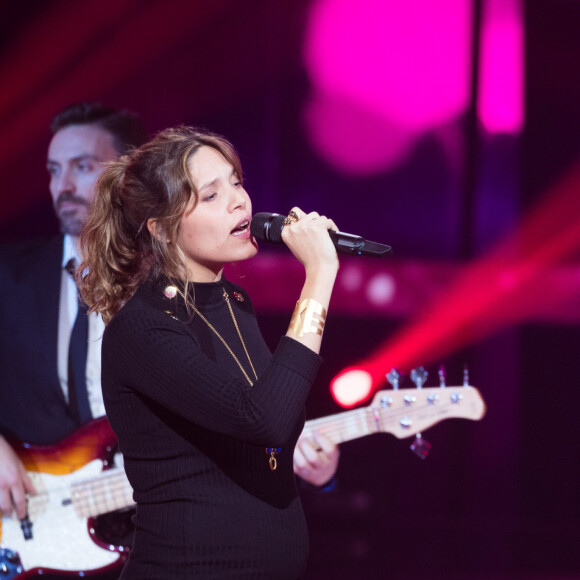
118,493
332,425
335,428
104,482
101,493
112,491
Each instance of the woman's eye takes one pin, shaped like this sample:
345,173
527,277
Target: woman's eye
209,197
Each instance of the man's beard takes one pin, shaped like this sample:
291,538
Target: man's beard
70,224
71,221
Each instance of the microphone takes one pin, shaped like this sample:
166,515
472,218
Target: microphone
269,226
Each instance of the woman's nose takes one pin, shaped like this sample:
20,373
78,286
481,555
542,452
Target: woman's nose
240,198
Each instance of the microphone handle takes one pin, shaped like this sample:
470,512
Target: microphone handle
269,226
357,246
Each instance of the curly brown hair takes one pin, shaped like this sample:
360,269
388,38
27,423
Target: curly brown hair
149,183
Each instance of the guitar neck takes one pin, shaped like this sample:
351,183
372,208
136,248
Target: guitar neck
109,492
342,427
401,412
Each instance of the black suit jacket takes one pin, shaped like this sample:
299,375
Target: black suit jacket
32,404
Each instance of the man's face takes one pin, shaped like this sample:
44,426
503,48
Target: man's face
75,161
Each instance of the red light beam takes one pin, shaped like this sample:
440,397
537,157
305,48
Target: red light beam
498,290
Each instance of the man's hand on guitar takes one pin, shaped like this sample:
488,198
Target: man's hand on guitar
316,462
14,482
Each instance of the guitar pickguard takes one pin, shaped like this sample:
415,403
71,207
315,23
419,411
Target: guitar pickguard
61,539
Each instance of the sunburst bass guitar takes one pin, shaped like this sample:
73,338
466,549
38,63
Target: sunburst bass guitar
76,481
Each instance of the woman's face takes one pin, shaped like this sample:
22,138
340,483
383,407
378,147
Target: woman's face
217,231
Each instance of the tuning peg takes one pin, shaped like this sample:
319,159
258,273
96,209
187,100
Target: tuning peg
393,378
420,447
442,383
419,376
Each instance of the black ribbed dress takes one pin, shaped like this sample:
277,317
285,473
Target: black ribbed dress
193,434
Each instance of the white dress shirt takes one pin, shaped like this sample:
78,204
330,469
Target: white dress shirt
68,309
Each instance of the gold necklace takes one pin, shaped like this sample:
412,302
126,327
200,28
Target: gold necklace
214,330
170,292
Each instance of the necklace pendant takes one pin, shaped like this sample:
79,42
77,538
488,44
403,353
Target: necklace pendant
272,451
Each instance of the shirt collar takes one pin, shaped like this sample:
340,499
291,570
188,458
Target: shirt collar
69,250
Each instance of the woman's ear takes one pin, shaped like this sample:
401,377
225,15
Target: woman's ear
155,229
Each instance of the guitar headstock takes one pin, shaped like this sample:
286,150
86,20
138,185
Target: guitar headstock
406,412
402,412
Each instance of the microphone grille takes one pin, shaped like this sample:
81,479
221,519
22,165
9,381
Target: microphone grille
268,227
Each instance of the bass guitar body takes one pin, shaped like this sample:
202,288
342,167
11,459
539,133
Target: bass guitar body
57,536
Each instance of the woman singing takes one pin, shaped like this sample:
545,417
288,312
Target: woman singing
207,418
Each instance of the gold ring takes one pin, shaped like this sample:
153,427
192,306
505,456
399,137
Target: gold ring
292,217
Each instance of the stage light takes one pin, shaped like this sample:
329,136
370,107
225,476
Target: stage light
501,84
382,74
503,288
351,387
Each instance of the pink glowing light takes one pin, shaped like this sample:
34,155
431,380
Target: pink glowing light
353,139
500,98
383,72
351,387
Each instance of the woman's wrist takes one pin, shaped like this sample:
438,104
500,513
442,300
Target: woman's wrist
327,270
318,284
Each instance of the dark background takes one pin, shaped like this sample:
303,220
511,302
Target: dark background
494,499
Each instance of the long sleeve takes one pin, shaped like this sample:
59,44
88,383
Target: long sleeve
159,357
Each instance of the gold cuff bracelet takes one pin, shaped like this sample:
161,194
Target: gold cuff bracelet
308,318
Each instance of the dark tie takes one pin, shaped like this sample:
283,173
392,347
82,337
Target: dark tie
77,360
